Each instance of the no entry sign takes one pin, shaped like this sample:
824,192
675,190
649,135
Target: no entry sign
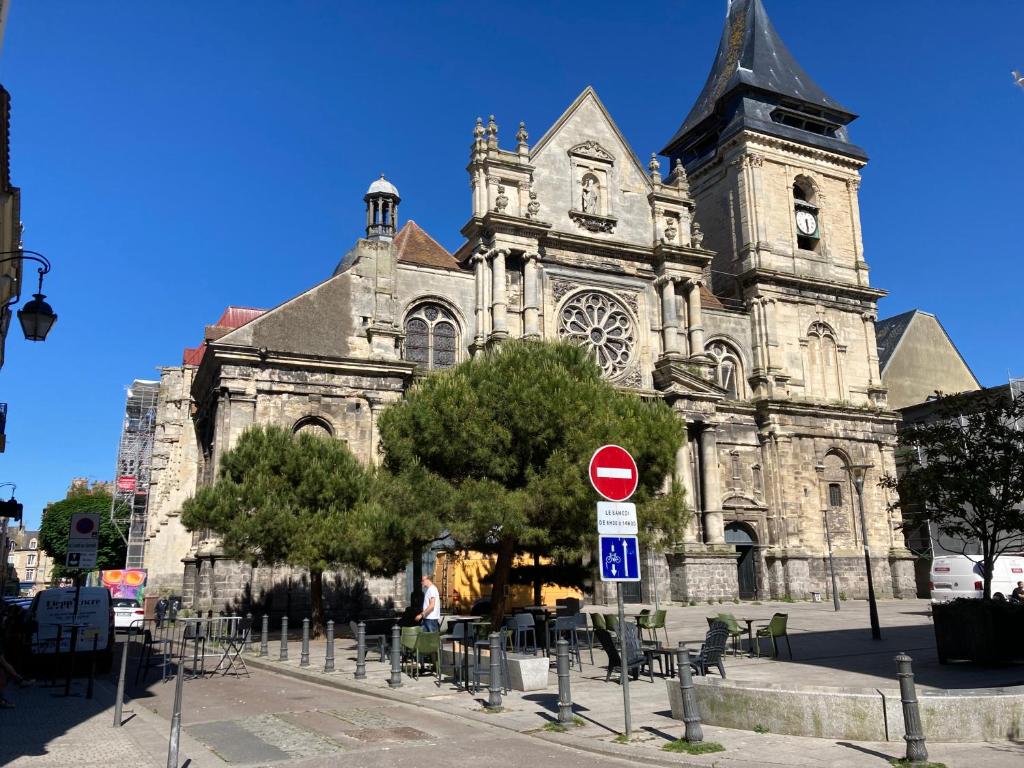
613,473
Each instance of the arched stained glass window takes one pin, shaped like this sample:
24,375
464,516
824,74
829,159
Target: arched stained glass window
431,337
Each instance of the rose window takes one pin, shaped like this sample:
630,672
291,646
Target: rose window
601,324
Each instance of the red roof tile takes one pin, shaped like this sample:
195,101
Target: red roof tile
231,318
417,247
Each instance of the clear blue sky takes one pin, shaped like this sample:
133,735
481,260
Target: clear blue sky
178,157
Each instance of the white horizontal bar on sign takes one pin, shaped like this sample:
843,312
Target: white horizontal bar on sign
623,473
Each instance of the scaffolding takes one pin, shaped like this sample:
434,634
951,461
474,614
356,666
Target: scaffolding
1016,390
134,459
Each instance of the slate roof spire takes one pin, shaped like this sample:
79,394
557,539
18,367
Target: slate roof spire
756,83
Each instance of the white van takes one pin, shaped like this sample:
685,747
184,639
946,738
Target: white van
56,607
954,576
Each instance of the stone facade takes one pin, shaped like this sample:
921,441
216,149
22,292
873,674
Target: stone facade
733,285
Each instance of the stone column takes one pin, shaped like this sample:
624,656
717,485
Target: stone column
714,529
480,262
499,302
683,477
531,297
696,322
669,316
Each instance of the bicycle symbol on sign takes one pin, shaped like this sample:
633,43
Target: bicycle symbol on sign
612,561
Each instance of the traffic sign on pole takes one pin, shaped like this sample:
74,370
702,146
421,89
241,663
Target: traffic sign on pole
617,517
613,473
620,558
83,541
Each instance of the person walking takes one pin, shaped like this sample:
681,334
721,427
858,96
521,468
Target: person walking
160,610
430,616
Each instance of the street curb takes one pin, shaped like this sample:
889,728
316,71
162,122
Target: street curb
562,739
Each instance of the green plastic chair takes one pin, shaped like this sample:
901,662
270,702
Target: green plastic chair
735,631
407,644
659,623
597,621
774,629
428,646
645,621
611,620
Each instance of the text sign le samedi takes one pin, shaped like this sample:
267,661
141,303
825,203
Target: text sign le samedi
613,473
617,517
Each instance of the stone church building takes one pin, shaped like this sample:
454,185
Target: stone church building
727,277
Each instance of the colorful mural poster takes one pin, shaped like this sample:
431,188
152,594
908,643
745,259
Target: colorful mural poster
127,583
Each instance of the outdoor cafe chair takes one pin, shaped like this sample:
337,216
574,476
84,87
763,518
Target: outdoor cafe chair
659,623
712,650
583,629
565,627
735,631
407,644
774,629
371,639
524,628
611,621
598,622
636,658
428,646
233,644
482,668
645,621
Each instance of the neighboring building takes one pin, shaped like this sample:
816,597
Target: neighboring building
10,220
735,288
917,358
33,566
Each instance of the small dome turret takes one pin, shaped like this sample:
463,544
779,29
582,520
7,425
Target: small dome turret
381,209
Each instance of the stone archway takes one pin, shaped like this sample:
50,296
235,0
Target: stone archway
744,539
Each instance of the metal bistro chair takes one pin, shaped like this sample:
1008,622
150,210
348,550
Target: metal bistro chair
195,633
458,636
565,627
636,659
483,670
371,639
712,650
775,628
582,628
524,627
234,642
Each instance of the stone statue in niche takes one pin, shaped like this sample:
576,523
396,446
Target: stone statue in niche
501,201
589,201
534,207
696,235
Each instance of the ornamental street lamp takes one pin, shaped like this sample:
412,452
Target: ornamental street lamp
858,473
36,317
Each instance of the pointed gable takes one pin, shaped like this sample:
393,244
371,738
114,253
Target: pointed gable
586,143
756,83
414,246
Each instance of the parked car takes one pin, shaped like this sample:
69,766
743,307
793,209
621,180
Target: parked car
954,576
125,612
53,612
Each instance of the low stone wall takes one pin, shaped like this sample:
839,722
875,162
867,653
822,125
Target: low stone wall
857,714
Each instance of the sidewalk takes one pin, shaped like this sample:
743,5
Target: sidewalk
47,730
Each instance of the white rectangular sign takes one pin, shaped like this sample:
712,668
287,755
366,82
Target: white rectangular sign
81,554
617,518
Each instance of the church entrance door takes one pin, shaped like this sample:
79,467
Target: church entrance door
746,547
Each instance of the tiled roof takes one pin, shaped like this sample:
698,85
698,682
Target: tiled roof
888,333
231,318
414,246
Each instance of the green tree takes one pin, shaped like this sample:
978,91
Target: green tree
964,474
284,498
56,523
504,441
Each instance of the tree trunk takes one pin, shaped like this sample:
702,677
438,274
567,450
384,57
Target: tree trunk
502,572
537,581
316,599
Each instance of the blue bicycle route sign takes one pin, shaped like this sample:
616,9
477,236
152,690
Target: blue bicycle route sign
620,558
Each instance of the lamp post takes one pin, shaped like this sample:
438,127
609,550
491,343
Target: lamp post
36,317
820,469
858,473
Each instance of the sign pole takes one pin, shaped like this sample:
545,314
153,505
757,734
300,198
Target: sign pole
623,658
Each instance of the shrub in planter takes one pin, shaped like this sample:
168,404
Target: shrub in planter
983,631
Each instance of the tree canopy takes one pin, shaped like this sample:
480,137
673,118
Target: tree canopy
503,442
964,474
56,523
288,499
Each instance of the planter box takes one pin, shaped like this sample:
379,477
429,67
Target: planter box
982,631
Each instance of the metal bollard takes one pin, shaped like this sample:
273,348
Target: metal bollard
494,678
304,656
264,632
71,659
361,651
916,750
329,658
564,693
172,745
248,635
396,658
92,667
284,639
119,704
691,714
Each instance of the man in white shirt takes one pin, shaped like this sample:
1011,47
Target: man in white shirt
430,616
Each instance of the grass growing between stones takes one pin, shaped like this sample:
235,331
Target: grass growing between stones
562,727
902,761
696,748
760,728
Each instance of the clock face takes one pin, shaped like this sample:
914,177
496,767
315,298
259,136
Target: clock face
806,222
